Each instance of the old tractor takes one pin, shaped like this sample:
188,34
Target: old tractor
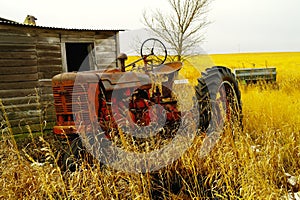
140,102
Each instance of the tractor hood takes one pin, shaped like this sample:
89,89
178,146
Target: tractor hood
110,79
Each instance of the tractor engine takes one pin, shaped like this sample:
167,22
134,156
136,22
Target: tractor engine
139,107
109,99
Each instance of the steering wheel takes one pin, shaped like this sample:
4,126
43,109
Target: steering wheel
153,51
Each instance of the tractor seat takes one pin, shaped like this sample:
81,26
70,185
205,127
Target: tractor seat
168,68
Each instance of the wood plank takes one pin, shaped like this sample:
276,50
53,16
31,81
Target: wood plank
107,66
77,38
49,68
49,111
50,75
19,100
21,130
24,114
17,62
109,41
17,48
49,61
49,54
105,61
45,83
48,105
17,93
45,102
106,55
18,70
48,40
48,47
25,121
33,117
18,77
19,85
47,97
10,39
14,32
46,93
49,34
14,55
75,33
22,107
105,48
104,35
46,90
35,120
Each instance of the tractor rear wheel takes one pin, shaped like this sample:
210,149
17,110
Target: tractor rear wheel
219,99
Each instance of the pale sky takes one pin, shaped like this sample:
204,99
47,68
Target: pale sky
237,25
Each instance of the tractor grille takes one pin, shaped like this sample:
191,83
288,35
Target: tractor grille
70,100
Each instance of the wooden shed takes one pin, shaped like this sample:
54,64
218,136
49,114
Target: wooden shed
31,55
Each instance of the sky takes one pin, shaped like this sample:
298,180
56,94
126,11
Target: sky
236,25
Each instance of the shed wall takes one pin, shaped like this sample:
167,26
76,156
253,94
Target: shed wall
29,58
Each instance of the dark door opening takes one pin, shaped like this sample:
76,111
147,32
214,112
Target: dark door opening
78,58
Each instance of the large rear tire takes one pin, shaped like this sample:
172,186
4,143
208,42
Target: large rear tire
219,99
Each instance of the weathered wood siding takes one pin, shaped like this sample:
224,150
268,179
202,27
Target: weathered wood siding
106,50
24,69
49,63
29,58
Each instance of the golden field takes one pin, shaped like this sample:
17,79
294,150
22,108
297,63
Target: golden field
251,165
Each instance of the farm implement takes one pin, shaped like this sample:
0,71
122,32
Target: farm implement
254,75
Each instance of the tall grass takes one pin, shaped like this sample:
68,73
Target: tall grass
248,164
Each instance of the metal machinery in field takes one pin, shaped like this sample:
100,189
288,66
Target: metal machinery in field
116,101
254,75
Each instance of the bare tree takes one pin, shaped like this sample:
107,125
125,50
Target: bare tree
180,28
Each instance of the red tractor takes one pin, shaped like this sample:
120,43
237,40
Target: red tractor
140,102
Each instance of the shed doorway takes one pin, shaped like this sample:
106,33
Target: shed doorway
79,57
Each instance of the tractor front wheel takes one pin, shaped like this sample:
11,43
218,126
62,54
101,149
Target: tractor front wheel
75,155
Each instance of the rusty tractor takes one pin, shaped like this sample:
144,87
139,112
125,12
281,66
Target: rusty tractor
132,100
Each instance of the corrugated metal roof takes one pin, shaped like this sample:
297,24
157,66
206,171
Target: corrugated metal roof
10,22
7,21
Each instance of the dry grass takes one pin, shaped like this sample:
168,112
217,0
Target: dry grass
250,165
